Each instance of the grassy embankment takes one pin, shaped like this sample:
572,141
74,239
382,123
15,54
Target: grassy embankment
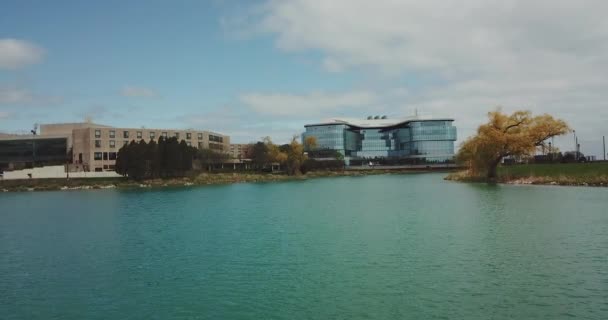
572,174
192,179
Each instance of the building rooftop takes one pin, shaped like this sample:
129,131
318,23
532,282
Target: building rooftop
376,123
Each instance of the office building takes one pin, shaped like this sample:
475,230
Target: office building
90,147
422,138
239,150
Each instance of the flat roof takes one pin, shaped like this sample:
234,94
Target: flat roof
88,125
375,123
9,137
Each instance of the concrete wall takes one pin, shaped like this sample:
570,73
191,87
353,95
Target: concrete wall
54,172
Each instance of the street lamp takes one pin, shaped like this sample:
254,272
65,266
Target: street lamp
575,153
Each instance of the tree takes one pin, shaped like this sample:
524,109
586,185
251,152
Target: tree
167,158
504,135
208,157
295,157
310,143
258,153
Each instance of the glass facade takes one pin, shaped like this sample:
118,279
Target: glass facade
431,140
36,151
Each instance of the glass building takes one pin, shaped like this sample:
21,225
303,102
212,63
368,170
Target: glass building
35,151
425,139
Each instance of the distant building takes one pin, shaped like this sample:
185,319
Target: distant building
426,139
239,150
89,146
24,151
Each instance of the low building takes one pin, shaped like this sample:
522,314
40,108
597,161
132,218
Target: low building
89,146
26,151
239,150
421,138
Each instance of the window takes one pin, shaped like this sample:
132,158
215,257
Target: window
98,169
164,134
105,166
112,134
139,135
216,146
200,145
188,135
125,143
105,156
97,155
112,156
216,138
189,144
177,135
97,143
200,136
152,135
112,144
112,167
97,133
125,134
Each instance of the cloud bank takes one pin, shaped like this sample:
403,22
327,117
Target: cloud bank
312,104
15,54
472,55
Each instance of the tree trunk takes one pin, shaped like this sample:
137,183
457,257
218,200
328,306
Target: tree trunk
492,175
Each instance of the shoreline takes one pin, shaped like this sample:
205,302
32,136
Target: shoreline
562,180
201,179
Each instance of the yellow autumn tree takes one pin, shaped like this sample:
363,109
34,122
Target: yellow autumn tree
295,156
310,143
274,153
505,135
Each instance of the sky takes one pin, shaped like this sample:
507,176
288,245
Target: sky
265,68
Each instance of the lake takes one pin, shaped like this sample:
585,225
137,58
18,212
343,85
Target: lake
375,247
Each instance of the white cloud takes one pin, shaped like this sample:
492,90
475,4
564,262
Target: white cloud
19,96
4,115
15,53
12,95
446,37
463,58
139,92
313,104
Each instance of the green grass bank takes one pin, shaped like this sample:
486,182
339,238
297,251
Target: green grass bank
571,174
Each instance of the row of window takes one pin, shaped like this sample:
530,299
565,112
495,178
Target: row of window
112,144
105,167
216,138
139,135
104,156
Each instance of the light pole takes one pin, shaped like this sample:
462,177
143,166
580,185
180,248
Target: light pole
604,143
575,153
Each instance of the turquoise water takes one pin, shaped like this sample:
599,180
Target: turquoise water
375,247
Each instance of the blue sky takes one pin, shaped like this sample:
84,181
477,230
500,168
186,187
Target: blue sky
256,68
